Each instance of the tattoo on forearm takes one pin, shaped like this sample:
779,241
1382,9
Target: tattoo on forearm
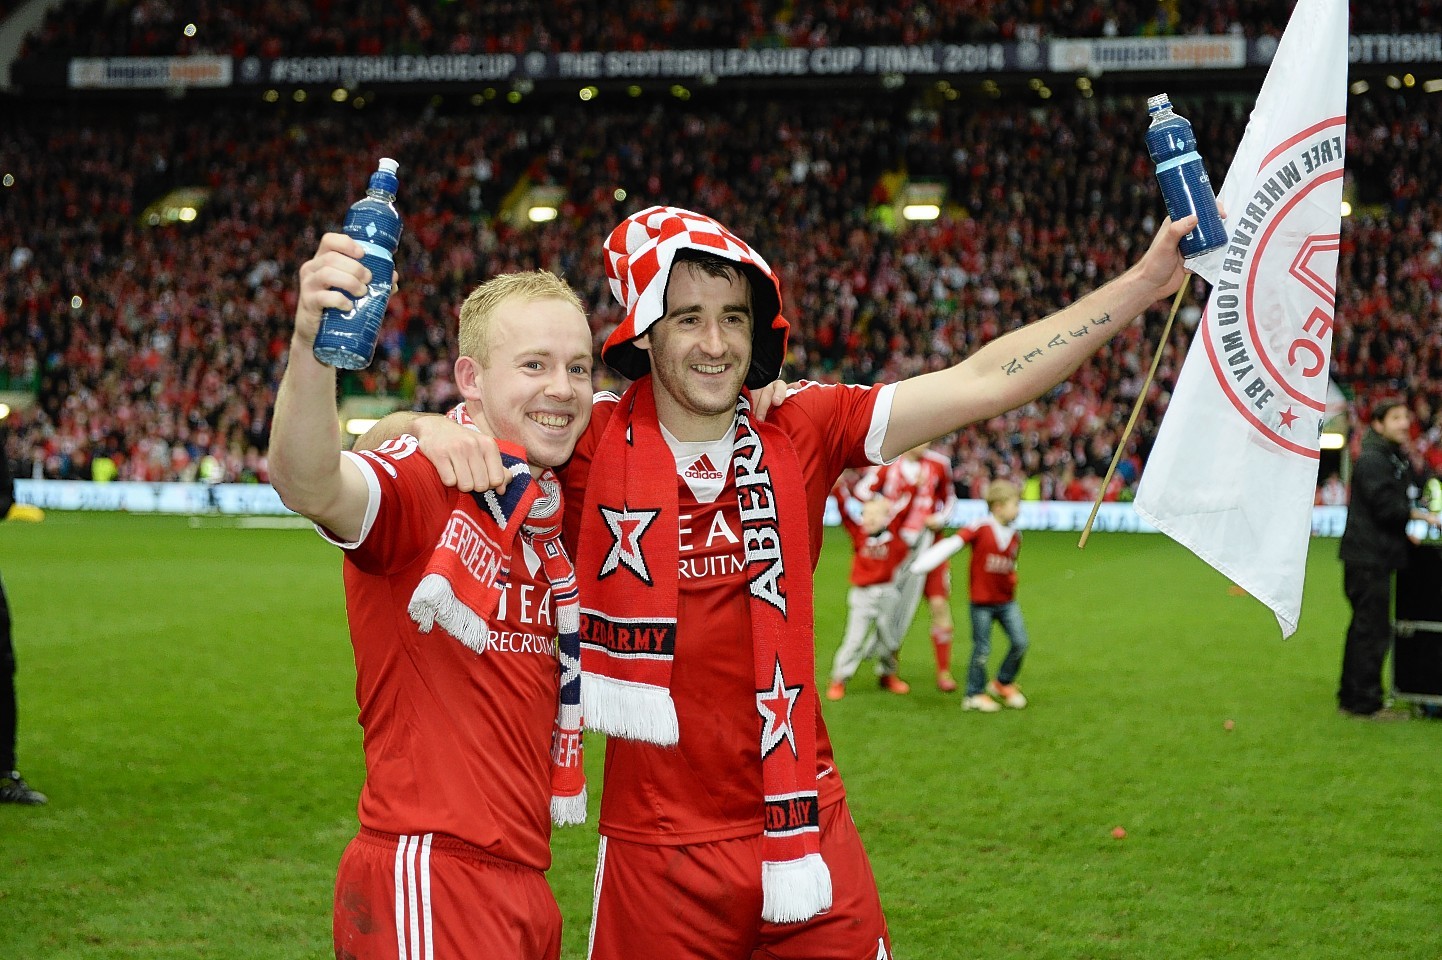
1015,365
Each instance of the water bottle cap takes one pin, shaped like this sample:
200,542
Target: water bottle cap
384,179
1160,102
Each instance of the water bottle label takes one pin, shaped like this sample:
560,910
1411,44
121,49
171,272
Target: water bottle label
1174,162
382,268
373,221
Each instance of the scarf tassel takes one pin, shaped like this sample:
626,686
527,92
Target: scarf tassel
795,890
568,811
435,602
630,710
568,774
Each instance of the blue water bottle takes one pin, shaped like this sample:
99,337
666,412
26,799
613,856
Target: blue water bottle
347,338
1182,177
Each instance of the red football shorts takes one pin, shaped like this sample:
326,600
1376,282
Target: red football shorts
703,902
417,897
938,583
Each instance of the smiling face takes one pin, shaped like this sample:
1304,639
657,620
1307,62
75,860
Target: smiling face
534,386
700,351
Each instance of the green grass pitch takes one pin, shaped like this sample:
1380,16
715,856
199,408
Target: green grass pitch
186,696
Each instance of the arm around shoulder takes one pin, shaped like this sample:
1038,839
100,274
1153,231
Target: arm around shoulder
466,459
395,424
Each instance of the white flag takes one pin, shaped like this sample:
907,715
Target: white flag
1233,473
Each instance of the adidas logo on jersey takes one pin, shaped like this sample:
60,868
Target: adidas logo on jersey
702,469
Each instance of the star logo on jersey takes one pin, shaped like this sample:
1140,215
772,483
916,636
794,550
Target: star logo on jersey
775,706
627,527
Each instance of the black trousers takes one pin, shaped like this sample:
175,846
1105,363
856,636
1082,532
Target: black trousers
1369,636
7,688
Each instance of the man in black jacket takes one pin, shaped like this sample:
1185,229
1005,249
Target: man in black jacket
1374,544
13,788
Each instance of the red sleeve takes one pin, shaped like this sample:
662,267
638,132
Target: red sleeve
829,426
869,483
945,488
410,505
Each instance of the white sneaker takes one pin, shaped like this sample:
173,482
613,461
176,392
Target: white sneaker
1007,693
980,702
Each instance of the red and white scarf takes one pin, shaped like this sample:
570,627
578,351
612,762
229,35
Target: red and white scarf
628,569
467,573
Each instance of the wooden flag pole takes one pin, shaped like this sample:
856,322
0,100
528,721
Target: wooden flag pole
1136,411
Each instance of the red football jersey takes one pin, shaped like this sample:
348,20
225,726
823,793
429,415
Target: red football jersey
993,559
708,786
876,556
456,742
919,488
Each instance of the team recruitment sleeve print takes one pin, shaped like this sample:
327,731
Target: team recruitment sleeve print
1234,470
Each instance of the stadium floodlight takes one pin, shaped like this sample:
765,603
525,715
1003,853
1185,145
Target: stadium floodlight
181,205
359,412
1332,441
16,401
921,200
538,204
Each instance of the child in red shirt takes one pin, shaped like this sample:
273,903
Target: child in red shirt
880,550
994,544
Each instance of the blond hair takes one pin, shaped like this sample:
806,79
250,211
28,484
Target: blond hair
526,286
1001,491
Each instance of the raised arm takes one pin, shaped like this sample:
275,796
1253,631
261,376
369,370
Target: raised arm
306,466
1025,363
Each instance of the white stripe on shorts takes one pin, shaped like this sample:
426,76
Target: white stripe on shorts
426,894
596,895
413,907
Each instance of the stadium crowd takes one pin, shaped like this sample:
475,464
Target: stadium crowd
153,348
275,28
